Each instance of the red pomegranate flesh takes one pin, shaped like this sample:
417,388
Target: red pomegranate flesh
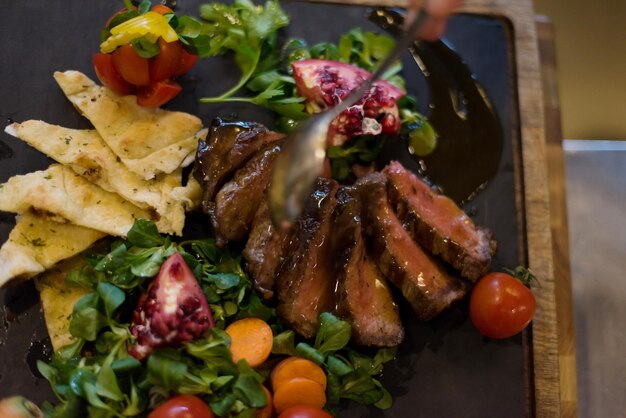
325,83
172,311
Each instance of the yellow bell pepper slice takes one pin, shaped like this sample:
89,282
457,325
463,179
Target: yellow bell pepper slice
152,25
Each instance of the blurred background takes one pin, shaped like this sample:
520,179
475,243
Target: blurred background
589,40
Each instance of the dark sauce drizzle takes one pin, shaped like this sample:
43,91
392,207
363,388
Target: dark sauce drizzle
470,133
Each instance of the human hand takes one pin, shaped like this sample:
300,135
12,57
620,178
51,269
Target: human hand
438,13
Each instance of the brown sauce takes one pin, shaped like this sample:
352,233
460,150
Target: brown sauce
470,133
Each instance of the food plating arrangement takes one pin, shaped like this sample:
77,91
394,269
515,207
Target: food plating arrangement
167,289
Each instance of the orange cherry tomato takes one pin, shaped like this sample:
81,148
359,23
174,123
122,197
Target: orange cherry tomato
166,63
501,306
304,411
157,94
132,67
182,406
108,75
162,9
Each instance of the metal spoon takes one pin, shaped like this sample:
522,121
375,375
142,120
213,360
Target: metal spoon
302,158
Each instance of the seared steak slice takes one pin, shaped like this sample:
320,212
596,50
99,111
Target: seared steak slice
306,281
264,251
438,224
421,278
238,200
227,148
363,298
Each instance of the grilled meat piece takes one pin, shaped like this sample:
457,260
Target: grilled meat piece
305,282
421,278
264,251
237,201
438,224
227,148
363,298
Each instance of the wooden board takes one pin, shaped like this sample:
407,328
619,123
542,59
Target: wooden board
545,360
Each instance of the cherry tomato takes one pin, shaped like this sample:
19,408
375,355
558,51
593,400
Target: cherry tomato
304,411
268,410
182,406
157,94
108,75
162,9
132,67
186,63
166,63
106,25
501,306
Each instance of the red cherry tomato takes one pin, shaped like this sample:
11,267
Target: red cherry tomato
132,67
108,75
501,306
106,25
186,63
304,411
182,406
157,94
166,63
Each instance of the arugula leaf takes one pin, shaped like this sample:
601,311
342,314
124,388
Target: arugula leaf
360,150
111,296
166,368
86,319
284,343
144,234
242,28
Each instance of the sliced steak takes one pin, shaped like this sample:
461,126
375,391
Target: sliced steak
227,148
306,281
438,224
238,200
363,298
422,279
264,251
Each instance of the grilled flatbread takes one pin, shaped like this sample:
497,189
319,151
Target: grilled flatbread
85,152
148,141
58,300
36,244
59,193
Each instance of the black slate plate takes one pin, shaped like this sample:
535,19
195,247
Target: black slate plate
444,368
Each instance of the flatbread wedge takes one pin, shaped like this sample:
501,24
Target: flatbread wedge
86,153
58,299
36,244
61,194
148,141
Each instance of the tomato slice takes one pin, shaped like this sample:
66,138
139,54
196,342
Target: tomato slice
132,67
157,94
108,75
186,63
166,63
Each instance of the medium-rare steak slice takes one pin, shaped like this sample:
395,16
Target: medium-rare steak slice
305,282
264,251
422,279
438,224
238,200
363,298
228,146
